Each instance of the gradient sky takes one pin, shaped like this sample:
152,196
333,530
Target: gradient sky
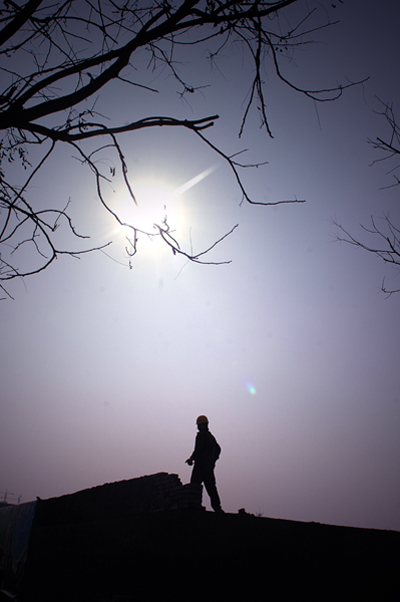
291,350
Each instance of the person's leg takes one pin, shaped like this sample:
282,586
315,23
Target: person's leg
197,475
211,488
197,479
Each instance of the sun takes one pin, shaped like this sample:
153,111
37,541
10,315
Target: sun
157,201
153,204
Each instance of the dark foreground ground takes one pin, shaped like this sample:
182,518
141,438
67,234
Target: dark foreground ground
194,555
148,539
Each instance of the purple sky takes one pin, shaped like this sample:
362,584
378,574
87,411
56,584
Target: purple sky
104,369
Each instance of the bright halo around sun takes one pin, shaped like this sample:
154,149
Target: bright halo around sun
153,200
156,201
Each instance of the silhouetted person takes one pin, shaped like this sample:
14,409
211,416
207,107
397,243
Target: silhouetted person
206,453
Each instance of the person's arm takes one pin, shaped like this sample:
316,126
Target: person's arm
198,446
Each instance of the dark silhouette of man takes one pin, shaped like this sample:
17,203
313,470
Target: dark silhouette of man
206,453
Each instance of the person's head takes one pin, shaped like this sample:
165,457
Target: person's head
202,423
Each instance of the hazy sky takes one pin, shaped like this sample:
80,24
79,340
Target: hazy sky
104,369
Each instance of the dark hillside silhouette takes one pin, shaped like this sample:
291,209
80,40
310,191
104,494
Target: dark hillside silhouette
149,539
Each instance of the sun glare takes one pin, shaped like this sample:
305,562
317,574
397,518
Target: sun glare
156,201
153,204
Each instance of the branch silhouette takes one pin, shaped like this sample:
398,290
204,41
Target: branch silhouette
57,58
383,230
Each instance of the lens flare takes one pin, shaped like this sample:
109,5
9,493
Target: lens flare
248,385
190,183
251,389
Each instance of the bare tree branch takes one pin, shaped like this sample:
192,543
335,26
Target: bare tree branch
56,57
386,233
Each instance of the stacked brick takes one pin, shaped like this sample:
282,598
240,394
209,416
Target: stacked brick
151,493
170,494
190,497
